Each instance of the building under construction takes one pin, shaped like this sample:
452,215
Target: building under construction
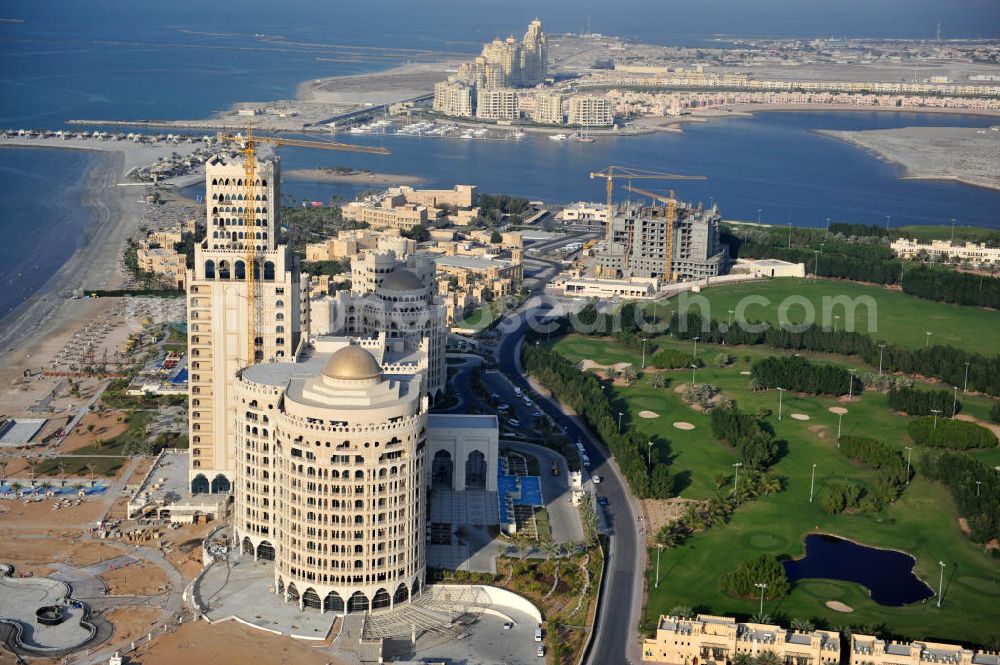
638,243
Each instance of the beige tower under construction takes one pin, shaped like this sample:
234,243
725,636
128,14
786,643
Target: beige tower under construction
218,312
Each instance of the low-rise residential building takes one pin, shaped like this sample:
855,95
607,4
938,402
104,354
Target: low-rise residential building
716,640
870,650
633,288
942,250
585,213
403,207
166,263
768,268
349,243
391,211
590,111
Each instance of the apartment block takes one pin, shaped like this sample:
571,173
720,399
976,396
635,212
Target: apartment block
870,650
590,111
942,250
453,98
497,104
548,109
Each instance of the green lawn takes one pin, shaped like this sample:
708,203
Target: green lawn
944,232
895,317
478,319
923,522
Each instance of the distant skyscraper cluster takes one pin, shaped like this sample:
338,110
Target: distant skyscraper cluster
484,87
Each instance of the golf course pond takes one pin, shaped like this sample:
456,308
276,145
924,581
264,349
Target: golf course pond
887,574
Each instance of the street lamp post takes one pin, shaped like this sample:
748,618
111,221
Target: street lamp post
761,586
736,478
935,412
659,548
643,365
730,319
941,583
812,484
978,484
881,348
696,346
759,212
887,218
620,414
836,321
694,368
927,339
840,421
965,386
780,390
909,457
850,385
649,454
816,264
954,404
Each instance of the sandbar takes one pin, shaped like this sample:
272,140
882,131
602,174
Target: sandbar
363,177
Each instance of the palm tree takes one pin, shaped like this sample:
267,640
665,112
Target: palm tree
32,463
90,468
46,486
720,480
3,469
743,658
768,657
16,486
682,611
694,517
658,381
768,485
805,625
62,472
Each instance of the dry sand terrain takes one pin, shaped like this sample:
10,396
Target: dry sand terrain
964,154
132,622
36,553
403,82
227,643
359,177
142,579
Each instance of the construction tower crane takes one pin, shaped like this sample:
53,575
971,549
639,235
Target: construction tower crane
671,204
612,173
249,142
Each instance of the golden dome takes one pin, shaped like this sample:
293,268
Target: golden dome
352,363
402,279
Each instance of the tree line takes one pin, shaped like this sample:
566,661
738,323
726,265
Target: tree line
800,375
949,433
861,261
765,569
974,486
893,472
915,402
582,392
947,363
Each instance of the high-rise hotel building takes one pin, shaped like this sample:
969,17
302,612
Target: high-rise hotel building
218,312
332,477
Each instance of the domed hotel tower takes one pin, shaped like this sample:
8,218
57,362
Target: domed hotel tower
331,451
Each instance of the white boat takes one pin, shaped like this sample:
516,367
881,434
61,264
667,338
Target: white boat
558,137
518,135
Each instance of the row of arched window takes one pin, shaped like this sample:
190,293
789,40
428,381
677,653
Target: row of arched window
260,182
238,270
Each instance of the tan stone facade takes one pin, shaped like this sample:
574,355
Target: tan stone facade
590,111
869,650
715,640
548,108
497,104
166,263
332,483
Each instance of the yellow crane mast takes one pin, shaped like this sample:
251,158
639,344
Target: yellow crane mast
671,203
611,173
249,142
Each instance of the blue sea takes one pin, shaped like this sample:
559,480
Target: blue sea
186,59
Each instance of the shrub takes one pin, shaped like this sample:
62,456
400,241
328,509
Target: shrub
922,402
672,359
765,569
756,446
800,375
839,496
978,503
950,433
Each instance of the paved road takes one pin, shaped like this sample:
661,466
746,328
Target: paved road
616,640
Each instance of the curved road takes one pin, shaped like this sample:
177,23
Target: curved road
615,640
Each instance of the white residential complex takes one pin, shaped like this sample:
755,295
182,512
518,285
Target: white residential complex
944,251
590,111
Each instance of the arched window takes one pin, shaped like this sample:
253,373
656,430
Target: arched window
209,269
241,270
268,267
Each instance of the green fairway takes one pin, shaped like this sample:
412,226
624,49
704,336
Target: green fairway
888,315
923,522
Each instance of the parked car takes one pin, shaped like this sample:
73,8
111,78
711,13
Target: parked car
596,479
538,634
602,500
540,651
514,422
507,625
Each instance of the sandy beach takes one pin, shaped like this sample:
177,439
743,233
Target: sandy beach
356,177
391,85
960,154
43,323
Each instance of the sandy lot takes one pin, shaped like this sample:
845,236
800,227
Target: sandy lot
185,554
661,511
965,154
105,426
227,643
131,622
142,579
40,515
401,82
36,553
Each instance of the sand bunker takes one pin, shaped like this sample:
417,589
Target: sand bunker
680,424
799,416
838,606
648,414
839,410
746,373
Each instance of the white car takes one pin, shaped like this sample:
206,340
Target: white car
507,625
596,479
540,651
